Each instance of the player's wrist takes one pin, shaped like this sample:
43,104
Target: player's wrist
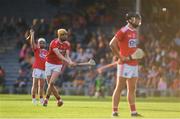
130,57
69,62
125,59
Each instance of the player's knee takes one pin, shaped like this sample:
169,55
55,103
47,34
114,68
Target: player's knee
41,86
131,91
119,89
35,86
51,84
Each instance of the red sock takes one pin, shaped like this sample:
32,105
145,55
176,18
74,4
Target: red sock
115,109
58,98
47,97
33,96
133,108
40,96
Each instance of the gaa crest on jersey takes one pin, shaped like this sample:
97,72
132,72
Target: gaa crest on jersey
132,43
42,54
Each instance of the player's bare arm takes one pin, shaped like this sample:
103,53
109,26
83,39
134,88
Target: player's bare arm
115,49
60,56
68,52
68,58
32,42
101,69
114,46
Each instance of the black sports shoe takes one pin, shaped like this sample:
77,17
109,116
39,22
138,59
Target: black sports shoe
59,103
136,115
114,114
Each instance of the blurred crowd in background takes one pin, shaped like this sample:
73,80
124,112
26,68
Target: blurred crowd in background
90,30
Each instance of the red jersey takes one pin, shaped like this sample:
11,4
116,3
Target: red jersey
51,56
40,58
127,39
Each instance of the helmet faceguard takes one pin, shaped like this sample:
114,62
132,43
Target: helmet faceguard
133,18
42,42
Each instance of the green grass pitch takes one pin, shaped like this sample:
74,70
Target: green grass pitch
20,106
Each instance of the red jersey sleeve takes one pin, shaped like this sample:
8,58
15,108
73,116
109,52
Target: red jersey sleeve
119,35
68,46
54,45
35,49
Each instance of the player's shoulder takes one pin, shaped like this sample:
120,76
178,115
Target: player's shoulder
67,43
36,49
54,41
124,29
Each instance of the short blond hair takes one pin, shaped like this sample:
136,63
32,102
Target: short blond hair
61,32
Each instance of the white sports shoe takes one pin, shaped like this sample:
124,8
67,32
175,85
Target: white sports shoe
34,101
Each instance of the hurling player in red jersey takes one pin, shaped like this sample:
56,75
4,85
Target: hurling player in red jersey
38,67
59,51
123,45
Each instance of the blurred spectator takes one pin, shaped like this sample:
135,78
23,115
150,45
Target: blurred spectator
89,83
177,39
2,77
79,82
162,86
99,84
21,83
176,85
152,78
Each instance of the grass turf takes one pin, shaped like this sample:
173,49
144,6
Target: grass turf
20,106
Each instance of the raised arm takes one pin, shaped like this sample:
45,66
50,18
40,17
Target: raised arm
32,42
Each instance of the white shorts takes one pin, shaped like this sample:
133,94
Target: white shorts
49,68
38,73
127,71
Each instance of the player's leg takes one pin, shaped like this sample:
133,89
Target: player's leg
34,90
54,76
52,73
131,90
131,96
48,73
131,93
120,85
47,92
51,88
41,90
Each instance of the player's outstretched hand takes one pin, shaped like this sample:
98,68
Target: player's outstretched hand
31,32
71,63
99,70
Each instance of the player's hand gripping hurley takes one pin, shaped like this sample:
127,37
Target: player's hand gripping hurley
137,55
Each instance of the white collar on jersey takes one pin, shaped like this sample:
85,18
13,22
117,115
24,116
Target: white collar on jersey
127,26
